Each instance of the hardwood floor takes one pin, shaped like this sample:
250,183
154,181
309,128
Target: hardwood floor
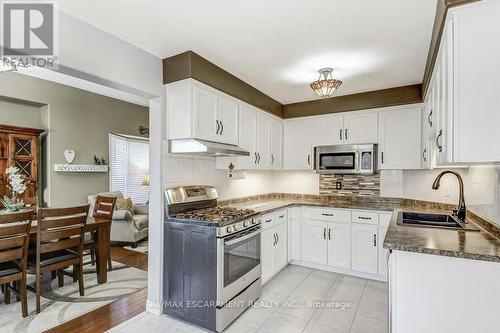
114,313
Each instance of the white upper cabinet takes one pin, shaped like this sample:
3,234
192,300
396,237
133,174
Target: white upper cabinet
276,144
328,130
361,127
352,128
477,51
228,119
400,137
297,144
248,130
263,139
196,110
206,114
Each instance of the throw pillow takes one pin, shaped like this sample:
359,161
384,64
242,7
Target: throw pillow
125,204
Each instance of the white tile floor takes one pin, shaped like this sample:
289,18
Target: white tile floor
341,304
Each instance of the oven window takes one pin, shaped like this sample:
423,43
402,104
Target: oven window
240,258
337,161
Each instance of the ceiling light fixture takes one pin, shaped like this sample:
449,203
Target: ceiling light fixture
326,85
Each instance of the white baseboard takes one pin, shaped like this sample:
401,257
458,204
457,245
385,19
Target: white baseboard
340,270
154,307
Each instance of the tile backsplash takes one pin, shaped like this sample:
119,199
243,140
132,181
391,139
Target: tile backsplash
350,185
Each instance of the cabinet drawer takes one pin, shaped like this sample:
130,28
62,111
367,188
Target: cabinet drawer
268,221
384,219
280,216
365,217
327,214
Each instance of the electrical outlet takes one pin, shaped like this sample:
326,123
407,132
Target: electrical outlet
338,185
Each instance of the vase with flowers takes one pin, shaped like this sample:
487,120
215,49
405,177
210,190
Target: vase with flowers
17,185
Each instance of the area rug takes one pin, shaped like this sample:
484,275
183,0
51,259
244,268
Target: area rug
63,304
142,247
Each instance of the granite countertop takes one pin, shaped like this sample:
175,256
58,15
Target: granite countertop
478,245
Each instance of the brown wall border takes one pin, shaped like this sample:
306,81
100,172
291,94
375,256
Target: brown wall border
367,100
190,64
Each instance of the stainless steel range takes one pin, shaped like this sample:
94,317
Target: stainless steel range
216,251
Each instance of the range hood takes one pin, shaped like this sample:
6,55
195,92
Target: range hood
204,148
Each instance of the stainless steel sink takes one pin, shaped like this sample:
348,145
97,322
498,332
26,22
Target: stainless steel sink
426,220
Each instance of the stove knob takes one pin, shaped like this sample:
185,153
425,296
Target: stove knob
254,221
245,224
235,227
229,229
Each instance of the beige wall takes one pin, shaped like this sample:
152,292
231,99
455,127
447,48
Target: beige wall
19,114
74,119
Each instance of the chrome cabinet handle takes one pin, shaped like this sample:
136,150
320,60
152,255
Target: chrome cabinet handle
277,238
272,158
309,159
429,118
274,236
340,134
326,214
329,234
258,158
255,162
374,239
345,134
221,127
281,216
382,158
423,155
218,127
324,233
267,221
440,147
364,218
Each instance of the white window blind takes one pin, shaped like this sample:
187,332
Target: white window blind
129,163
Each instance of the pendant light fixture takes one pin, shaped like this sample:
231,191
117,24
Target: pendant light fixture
326,85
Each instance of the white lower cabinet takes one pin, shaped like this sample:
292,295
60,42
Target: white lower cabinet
383,254
364,250
339,245
294,233
314,245
274,251
267,251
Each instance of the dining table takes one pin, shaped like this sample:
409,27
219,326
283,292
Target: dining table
101,227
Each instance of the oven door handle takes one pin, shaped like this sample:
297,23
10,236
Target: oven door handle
240,239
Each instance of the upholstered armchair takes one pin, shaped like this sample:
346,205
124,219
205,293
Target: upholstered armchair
126,227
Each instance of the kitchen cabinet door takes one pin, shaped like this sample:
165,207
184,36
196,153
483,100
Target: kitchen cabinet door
280,254
364,249
267,253
263,140
428,126
294,233
339,245
400,137
228,119
297,144
276,144
361,127
383,254
328,130
314,244
205,115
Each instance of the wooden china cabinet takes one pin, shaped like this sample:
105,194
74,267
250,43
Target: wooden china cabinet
19,147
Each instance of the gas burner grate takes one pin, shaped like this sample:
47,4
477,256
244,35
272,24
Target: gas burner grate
216,214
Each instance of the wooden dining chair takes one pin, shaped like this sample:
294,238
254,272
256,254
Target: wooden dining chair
103,208
14,240
59,244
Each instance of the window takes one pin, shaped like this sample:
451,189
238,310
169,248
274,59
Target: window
129,164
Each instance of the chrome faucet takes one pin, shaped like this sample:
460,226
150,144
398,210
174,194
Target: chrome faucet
461,211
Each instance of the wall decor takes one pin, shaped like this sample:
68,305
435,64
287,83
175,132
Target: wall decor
69,155
83,168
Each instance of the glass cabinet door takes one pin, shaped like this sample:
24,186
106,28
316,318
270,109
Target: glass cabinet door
23,152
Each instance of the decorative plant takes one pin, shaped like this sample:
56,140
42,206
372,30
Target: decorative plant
17,184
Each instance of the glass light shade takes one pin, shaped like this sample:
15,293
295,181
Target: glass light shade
326,85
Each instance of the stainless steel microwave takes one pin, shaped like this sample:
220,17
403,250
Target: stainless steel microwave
346,159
